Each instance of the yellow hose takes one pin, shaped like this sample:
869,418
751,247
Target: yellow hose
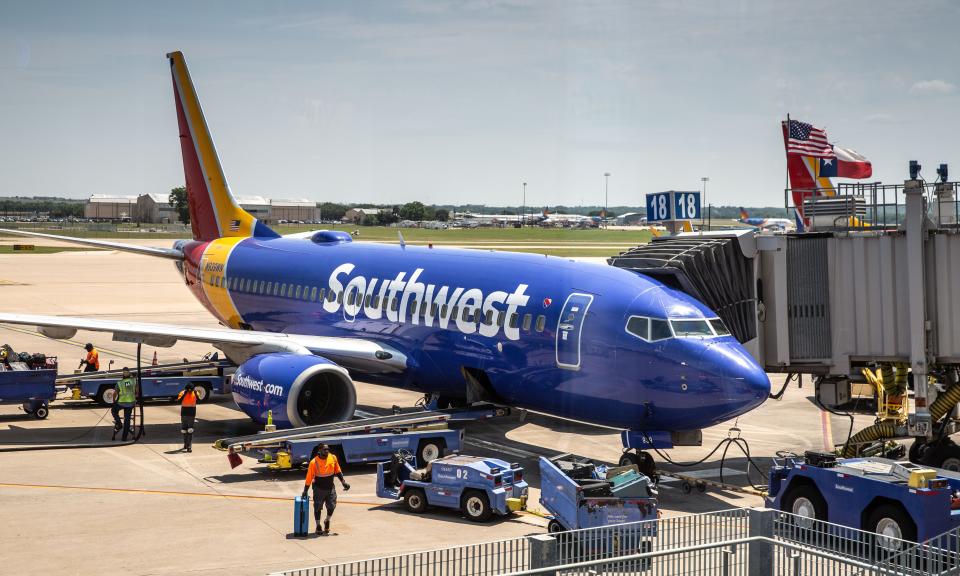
943,404
869,434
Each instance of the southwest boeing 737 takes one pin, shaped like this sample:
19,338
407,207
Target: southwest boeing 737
305,316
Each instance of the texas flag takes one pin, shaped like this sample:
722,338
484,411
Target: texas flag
845,163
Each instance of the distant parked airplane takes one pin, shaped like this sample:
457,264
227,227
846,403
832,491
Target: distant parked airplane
766,223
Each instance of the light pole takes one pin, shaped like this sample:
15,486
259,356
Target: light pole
606,196
523,211
703,201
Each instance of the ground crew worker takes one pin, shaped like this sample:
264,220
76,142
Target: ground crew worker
188,414
323,467
126,398
92,361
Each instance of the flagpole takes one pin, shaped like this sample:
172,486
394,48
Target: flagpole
786,175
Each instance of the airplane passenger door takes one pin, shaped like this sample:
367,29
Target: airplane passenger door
569,328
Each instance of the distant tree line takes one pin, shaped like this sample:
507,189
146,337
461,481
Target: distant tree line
388,213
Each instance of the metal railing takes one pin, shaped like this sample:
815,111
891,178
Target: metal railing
487,558
738,542
876,206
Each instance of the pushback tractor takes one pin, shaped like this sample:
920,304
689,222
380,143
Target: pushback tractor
898,500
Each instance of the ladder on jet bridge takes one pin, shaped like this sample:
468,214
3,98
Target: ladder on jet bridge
362,425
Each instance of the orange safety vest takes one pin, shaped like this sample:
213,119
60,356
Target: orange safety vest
93,358
189,400
323,468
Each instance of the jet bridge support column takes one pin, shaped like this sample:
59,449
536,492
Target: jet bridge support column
915,227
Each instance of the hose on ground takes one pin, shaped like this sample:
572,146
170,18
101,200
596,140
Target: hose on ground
938,409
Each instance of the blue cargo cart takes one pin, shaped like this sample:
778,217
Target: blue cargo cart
165,381
900,500
103,390
580,494
427,444
425,434
478,487
31,385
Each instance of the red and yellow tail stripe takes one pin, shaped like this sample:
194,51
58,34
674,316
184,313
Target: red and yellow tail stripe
214,213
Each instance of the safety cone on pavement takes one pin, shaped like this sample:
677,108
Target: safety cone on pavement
154,363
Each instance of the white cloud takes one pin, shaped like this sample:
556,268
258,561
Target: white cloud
932,87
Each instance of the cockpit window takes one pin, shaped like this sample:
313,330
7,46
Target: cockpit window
659,329
639,327
719,327
688,328
654,329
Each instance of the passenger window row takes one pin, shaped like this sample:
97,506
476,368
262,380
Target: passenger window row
314,294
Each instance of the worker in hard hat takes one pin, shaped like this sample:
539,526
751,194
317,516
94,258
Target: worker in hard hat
126,397
188,414
323,467
92,362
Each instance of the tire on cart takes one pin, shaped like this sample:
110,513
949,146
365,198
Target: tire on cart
891,523
41,412
686,487
554,527
429,450
415,500
475,506
701,487
106,395
806,503
203,391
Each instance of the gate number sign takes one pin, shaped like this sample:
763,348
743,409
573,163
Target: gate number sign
673,205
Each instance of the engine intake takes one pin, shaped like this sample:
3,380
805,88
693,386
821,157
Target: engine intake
300,390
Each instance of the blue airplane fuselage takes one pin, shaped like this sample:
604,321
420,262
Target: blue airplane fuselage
547,333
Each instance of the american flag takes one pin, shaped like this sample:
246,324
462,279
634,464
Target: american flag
808,140
234,225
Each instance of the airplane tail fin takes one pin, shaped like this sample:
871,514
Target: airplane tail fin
214,213
743,214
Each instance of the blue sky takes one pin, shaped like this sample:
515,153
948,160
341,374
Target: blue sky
462,102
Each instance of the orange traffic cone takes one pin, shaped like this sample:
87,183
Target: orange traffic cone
154,363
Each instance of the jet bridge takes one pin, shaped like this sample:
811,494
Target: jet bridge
876,284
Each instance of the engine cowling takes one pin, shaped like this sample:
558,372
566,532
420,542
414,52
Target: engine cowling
301,390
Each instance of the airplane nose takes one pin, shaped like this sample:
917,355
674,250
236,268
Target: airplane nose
743,383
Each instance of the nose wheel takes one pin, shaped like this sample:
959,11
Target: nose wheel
643,461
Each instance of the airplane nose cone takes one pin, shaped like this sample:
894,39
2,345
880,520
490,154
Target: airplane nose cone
743,383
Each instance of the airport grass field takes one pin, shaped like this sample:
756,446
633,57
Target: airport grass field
551,241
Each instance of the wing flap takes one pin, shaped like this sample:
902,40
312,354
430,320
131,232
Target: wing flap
351,353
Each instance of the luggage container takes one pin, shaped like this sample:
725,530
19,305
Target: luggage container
32,385
581,494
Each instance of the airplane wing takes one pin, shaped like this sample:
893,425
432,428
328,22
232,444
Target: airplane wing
352,353
104,244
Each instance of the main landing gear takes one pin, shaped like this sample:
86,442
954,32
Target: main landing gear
643,460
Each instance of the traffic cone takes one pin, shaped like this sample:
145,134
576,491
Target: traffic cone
154,363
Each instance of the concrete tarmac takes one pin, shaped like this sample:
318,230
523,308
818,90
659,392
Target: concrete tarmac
147,509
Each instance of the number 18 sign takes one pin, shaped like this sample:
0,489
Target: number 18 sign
673,205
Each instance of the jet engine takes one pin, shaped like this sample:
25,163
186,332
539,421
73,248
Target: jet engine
300,390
